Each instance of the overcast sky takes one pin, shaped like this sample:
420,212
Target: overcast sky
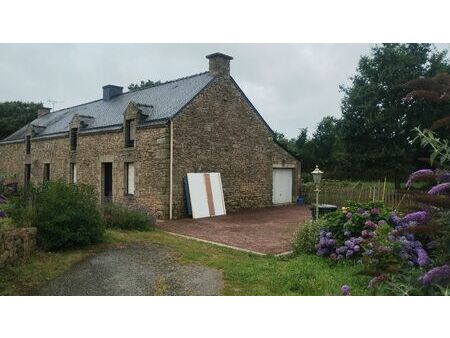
292,85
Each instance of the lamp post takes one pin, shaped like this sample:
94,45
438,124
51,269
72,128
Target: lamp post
317,176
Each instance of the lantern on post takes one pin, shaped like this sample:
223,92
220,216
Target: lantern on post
317,176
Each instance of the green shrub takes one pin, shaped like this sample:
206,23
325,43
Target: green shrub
66,215
307,235
19,207
120,217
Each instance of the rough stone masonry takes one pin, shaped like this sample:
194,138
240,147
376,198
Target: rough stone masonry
16,245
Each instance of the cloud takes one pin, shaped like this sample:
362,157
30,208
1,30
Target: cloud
292,85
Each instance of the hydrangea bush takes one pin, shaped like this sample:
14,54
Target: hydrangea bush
373,235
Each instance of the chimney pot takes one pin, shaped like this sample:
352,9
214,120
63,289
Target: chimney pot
111,91
43,111
219,64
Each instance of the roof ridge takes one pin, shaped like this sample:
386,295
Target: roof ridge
134,91
164,83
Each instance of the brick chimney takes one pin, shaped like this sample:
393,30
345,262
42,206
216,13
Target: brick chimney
219,64
43,111
111,91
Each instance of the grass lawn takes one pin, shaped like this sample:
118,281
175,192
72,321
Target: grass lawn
244,274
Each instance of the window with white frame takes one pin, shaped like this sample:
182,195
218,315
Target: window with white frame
129,178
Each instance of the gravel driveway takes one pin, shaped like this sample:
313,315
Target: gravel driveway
135,270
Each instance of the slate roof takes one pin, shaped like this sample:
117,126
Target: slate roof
165,101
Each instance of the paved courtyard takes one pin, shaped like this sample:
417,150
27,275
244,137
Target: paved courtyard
265,230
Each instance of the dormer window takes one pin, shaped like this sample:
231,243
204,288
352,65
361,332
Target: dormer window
28,144
73,138
130,128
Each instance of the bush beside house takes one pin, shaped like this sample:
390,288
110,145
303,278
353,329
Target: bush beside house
119,217
66,215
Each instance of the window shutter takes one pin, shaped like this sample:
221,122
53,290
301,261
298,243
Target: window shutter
130,187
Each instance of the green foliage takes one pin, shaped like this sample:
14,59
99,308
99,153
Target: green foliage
66,215
20,207
338,222
15,115
143,84
385,257
377,122
120,217
406,284
324,148
306,236
440,147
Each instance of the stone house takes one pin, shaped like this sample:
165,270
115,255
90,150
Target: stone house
136,147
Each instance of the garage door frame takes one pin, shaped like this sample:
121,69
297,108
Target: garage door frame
292,176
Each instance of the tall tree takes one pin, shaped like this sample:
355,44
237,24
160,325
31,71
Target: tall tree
14,115
377,121
143,84
327,146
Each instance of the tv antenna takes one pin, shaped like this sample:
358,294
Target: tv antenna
53,102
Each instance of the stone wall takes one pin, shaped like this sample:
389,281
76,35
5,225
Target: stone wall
220,132
150,155
16,245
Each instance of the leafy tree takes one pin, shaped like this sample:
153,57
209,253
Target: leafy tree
327,146
377,120
15,115
143,84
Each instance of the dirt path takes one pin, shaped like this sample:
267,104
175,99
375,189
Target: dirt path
135,270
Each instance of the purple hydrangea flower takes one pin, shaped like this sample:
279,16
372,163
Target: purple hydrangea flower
439,189
356,248
394,219
345,290
322,252
333,256
439,272
349,253
341,250
365,234
331,242
349,215
370,224
420,217
422,257
340,256
349,244
329,235
374,211
360,210
418,175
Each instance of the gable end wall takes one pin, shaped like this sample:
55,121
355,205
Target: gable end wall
220,132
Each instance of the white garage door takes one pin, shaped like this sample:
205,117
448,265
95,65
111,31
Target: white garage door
282,186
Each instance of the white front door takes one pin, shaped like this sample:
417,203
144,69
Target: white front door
282,186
